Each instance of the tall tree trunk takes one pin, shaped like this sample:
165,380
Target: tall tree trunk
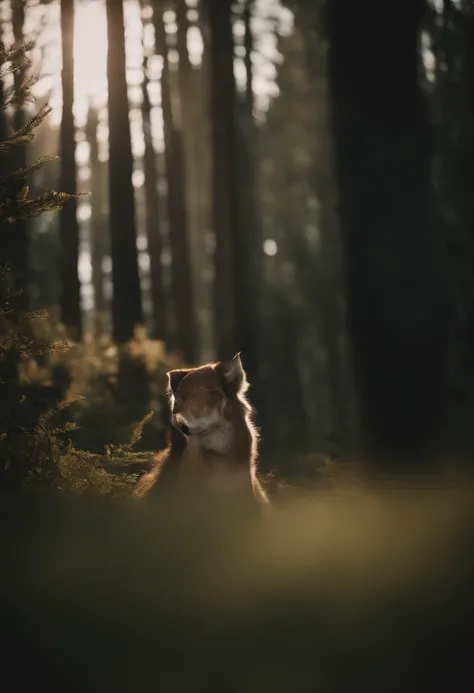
225,198
190,106
248,45
99,240
3,124
396,289
14,245
328,289
16,251
200,183
70,299
452,98
126,302
250,232
186,332
152,212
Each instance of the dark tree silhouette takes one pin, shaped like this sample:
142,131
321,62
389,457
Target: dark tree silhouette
190,103
186,332
99,237
3,136
225,197
20,405
16,248
193,85
326,283
250,234
451,28
396,288
152,214
70,301
126,302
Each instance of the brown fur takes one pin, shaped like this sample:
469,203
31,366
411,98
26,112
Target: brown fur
218,449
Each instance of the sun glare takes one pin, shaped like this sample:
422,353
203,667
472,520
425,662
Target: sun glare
90,51
90,54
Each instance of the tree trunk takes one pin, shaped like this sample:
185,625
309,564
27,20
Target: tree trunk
152,212
328,288
225,198
126,302
191,117
99,240
70,299
452,98
200,183
177,215
396,289
14,248
250,232
3,131
15,252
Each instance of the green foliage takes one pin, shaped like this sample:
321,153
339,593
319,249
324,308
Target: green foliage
15,202
62,467
25,438
36,450
96,373
16,60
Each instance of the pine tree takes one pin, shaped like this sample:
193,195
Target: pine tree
34,448
18,245
251,242
126,300
450,91
71,314
398,298
190,102
15,201
99,237
19,412
229,268
153,221
186,331
193,85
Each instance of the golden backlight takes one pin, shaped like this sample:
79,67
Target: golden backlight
90,52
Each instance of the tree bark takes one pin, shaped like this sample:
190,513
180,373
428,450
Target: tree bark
177,214
126,301
99,240
196,105
250,233
328,289
225,198
152,212
3,134
396,290
16,251
451,29
70,299
194,139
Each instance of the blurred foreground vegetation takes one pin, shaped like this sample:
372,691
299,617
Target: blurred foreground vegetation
348,591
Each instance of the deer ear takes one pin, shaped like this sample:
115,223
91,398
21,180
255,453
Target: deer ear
174,379
233,376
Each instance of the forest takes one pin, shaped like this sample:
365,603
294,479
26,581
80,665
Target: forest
182,181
